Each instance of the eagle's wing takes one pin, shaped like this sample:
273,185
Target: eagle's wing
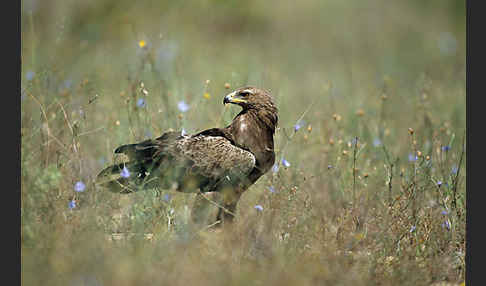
202,162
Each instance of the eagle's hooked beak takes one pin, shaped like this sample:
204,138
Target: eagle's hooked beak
233,98
228,98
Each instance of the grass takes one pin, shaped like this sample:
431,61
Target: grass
376,186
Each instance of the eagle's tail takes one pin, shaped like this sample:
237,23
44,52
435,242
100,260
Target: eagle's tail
132,174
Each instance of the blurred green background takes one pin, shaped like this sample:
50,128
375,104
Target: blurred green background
370,69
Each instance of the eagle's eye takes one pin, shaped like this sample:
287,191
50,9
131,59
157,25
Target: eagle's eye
245,93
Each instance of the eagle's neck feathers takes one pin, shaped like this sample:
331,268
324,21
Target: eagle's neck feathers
253,130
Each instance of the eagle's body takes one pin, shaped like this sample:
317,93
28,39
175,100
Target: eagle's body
224,160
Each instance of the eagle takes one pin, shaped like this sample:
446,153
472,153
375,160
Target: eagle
225,161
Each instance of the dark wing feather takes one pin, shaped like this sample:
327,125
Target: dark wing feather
201,161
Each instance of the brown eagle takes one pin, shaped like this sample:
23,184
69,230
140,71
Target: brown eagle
223,160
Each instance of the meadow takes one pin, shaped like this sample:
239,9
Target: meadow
370,183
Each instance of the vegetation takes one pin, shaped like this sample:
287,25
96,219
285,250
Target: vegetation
370,184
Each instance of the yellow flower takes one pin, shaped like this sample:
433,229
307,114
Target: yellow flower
142,44
207,95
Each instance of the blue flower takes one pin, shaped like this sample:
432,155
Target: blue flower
285,163
446,224
446,148
125,173
167,197
259,208
271,189
183,106
412,158
141,102
79,186
377,142
29,75
412,229
72,204
298,125
329,167
439,183
454,169
183,132
444,212
275,168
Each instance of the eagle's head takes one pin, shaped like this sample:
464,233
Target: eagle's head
257,102
250,97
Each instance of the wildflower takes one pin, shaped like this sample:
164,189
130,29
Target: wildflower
141,102
285,163
446,224
207,95
29,75
444,212
439,183
271,189
412,158
412,229
259,208
183,106
167,197
329,167
410,130
275,168
454,169
125,173
183,132
227,85
446,148
79,186
298,125
142,43
72,204
377,142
